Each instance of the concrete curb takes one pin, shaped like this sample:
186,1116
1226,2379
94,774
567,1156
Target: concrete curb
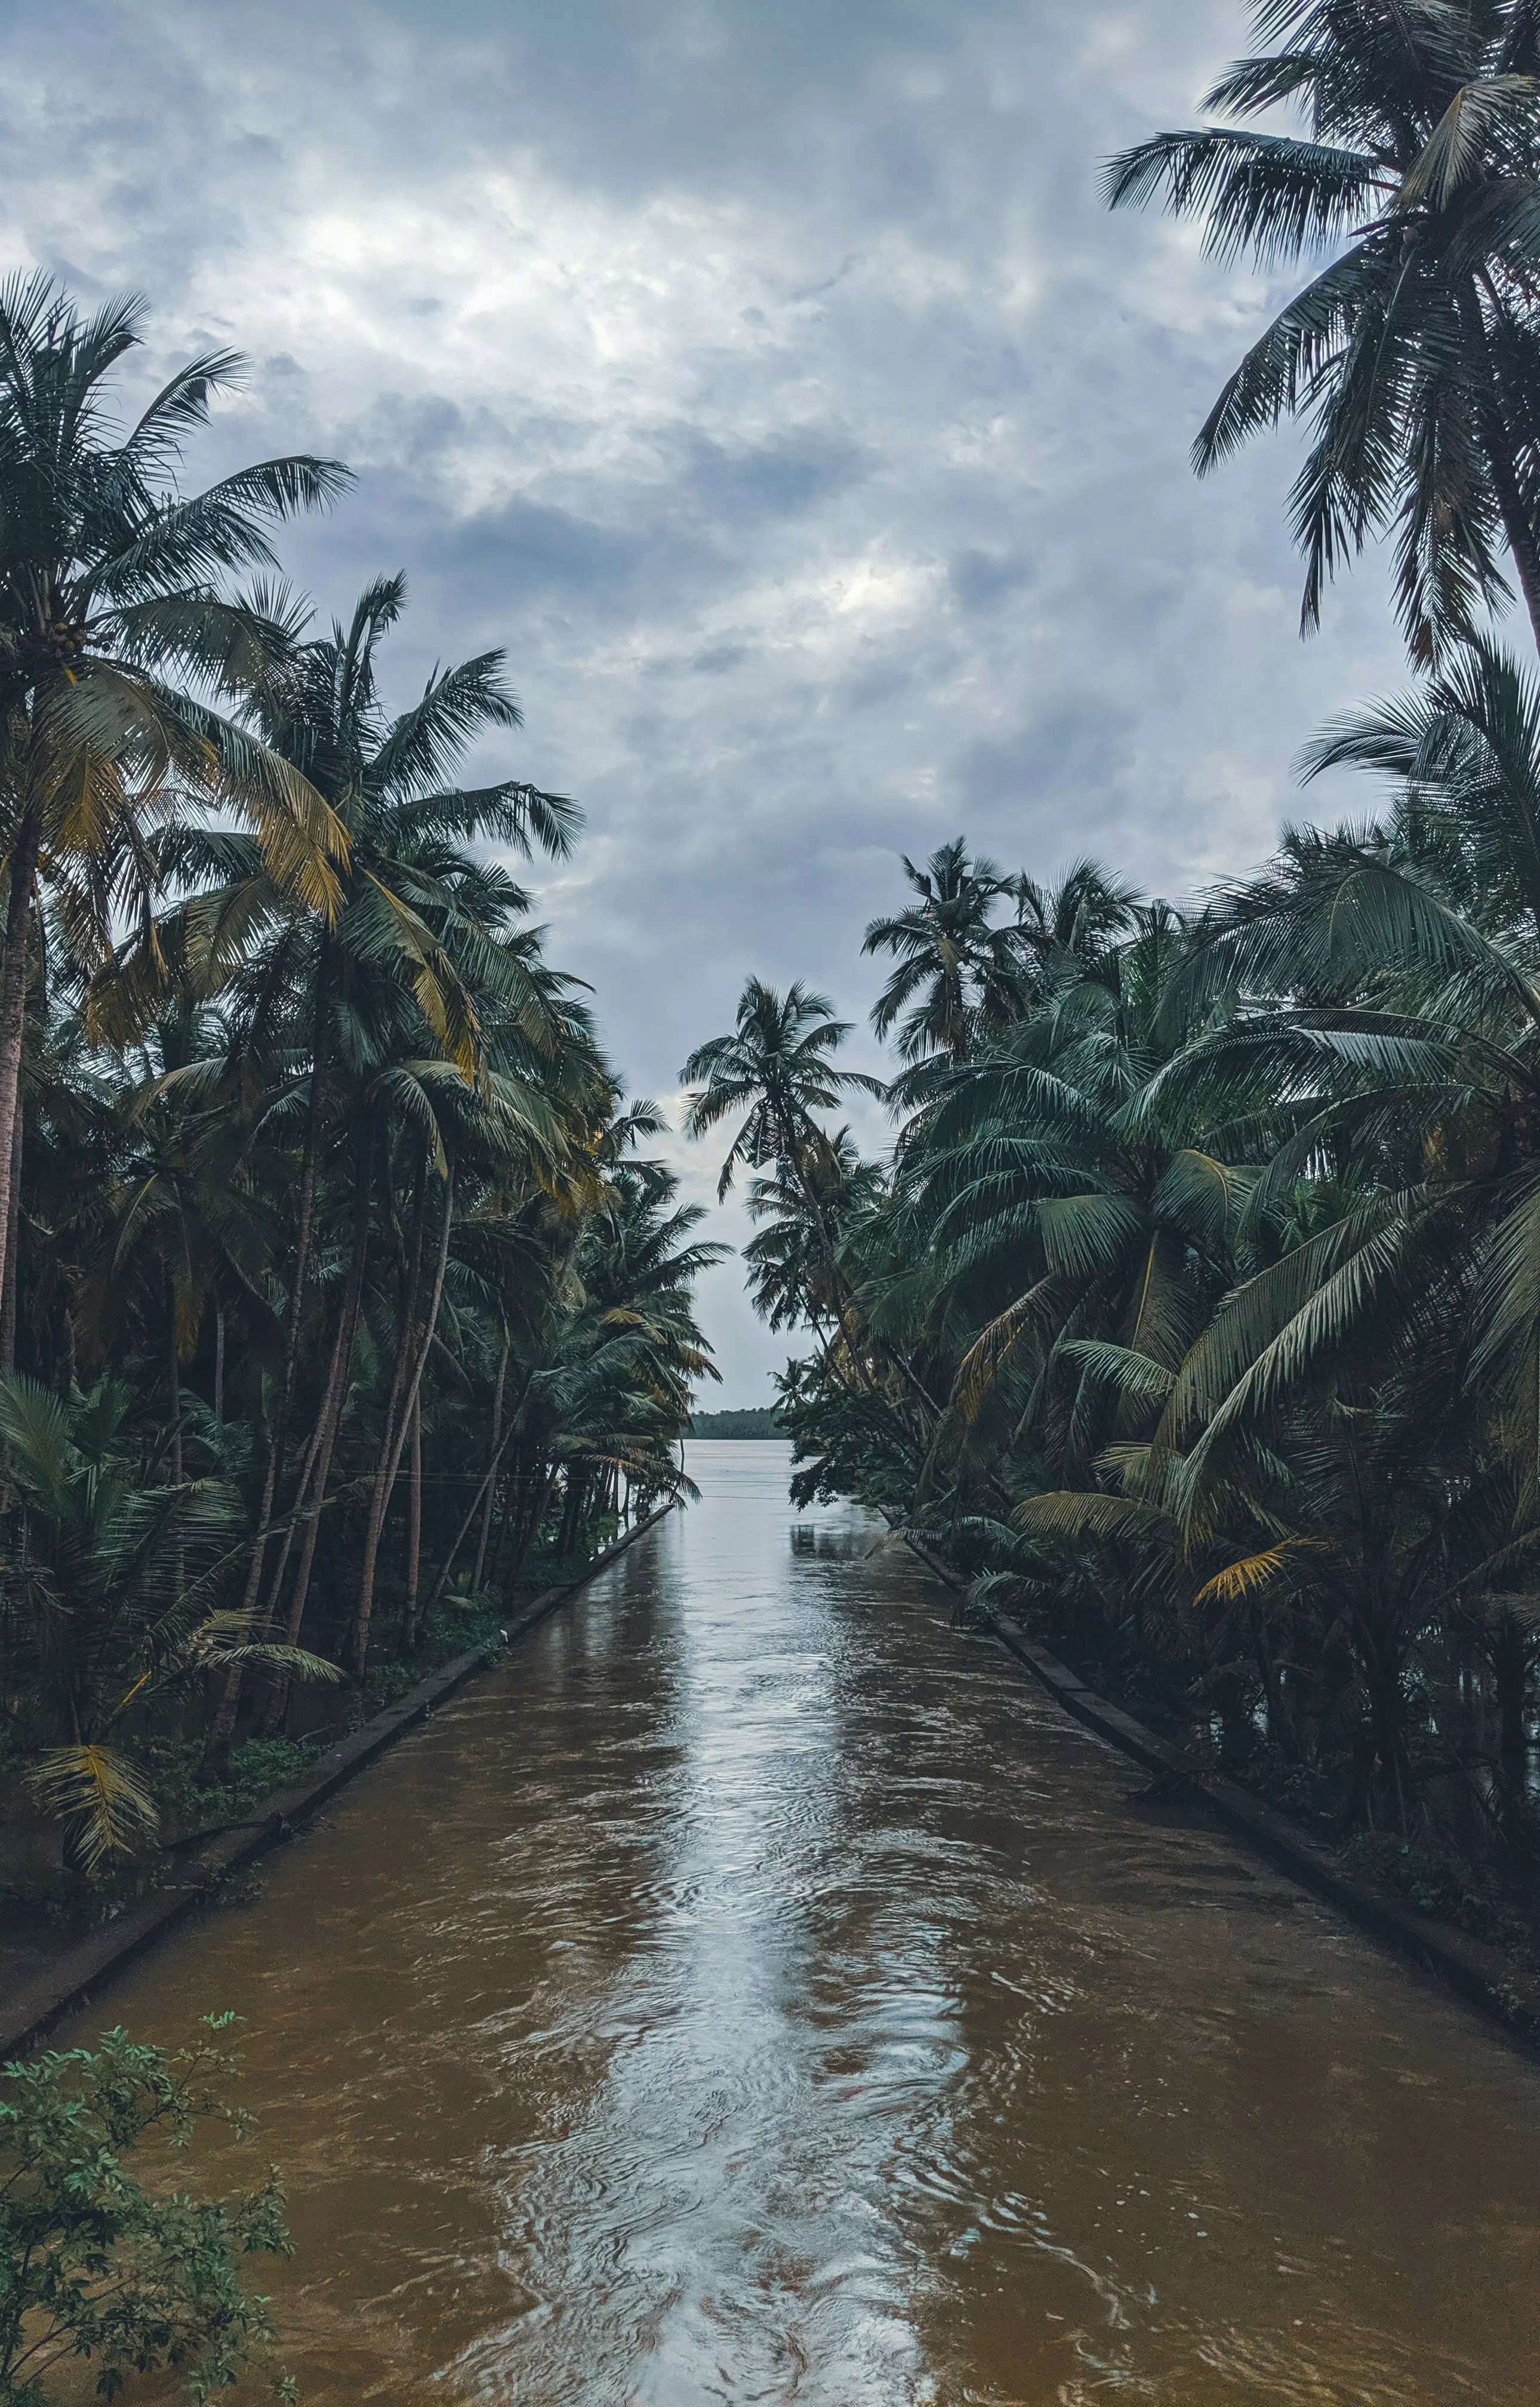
1480,1975
28,2013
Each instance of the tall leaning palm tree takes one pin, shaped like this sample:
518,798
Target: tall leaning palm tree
1413,348
115,646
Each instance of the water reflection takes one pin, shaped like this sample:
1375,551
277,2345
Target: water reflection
842,1542
754,1992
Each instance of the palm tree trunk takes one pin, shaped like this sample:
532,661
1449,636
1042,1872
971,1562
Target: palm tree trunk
1510,1662
1502,452
307,1481
509,1521
219,1361
1281,1720
566,1543
310,1497
338,1377
414,1525
796,1156
13,1286
1521,534
483,1496
220,1729
311,1504
174,1384
303,1250
395,1441
411,1285
845,1298
1380,1663
487,1482
13,1011
523,1515
530,1522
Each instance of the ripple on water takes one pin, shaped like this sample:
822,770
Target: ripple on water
755,1992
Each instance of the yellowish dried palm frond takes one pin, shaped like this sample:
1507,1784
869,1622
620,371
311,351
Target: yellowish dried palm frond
98,1794
1242,1579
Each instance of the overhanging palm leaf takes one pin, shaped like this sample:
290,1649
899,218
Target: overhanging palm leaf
95,1792
1422,158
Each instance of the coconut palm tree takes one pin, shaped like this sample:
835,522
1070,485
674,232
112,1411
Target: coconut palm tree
110,614
777,1068
193,1235
958,970
1073,1250
323,1171
787,1272
418,951
1068,929
1364,1530
1389,1019
1412,351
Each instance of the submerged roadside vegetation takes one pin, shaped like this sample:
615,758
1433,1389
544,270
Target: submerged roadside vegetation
1195,1311
338,1293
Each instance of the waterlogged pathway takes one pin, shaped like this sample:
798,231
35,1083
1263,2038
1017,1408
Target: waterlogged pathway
755,1992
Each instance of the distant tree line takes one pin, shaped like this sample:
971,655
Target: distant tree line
754,1421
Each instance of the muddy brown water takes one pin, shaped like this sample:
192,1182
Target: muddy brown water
754,1991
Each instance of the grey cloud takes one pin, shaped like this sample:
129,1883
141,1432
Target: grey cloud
1071,759
772,479
537,551
770,382
980,579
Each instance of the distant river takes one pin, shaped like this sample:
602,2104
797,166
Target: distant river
755,1991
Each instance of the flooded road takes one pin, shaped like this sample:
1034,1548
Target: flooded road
754,1991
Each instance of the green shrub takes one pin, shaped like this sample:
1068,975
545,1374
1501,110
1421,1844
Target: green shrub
255,1770
95,2265
1430,1879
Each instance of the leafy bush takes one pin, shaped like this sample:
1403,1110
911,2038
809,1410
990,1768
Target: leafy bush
256,1769
1429,1878
95,2265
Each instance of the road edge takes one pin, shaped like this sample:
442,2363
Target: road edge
30,2012
1476,1972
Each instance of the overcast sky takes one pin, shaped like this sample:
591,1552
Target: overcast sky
766,376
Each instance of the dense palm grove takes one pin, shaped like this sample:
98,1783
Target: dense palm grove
339,1293
1196,1309
1191,1308
1196,1306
